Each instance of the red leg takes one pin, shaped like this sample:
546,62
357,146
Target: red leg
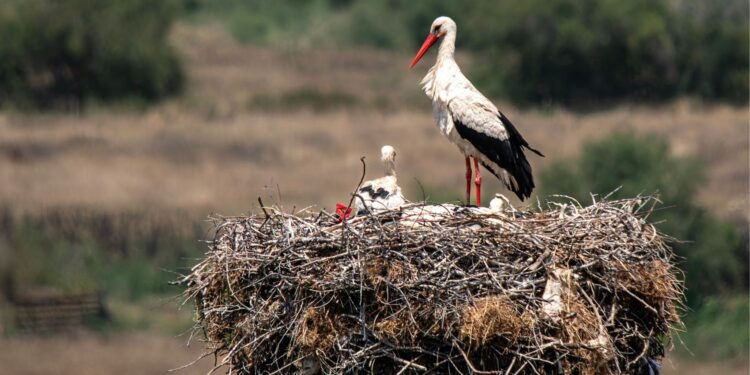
478,182
468,181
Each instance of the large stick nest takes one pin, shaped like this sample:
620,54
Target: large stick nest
440,289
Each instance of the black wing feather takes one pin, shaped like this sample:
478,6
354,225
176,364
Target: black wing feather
375,194
508,154
515,135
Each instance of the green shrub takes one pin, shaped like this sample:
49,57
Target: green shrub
576,52
58,52
713,56
588,52
719,328
714,256
572,51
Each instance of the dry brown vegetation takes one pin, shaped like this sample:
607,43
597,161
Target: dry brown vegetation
87,354
216,150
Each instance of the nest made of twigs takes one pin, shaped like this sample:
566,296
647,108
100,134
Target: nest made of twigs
440,289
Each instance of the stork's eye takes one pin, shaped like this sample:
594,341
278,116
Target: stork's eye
437,29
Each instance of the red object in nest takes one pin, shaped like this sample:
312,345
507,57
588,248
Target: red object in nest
343,212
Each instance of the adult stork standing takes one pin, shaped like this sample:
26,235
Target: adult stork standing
471,121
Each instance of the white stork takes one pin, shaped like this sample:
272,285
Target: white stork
471,121
382,193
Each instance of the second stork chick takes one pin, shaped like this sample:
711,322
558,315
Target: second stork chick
382,193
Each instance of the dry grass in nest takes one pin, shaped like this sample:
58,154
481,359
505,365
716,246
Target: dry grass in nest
455,290
580,323
379,270
316,331
652,279
398,328
490,318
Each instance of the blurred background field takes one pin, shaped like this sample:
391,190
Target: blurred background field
125,124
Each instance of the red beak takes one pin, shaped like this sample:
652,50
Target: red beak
343,212
431,39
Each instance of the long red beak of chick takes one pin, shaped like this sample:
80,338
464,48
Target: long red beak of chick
343,212
431,39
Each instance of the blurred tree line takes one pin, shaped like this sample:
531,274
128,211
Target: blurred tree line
533,51
61,53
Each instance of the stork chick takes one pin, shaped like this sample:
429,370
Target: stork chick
497,203
382,193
